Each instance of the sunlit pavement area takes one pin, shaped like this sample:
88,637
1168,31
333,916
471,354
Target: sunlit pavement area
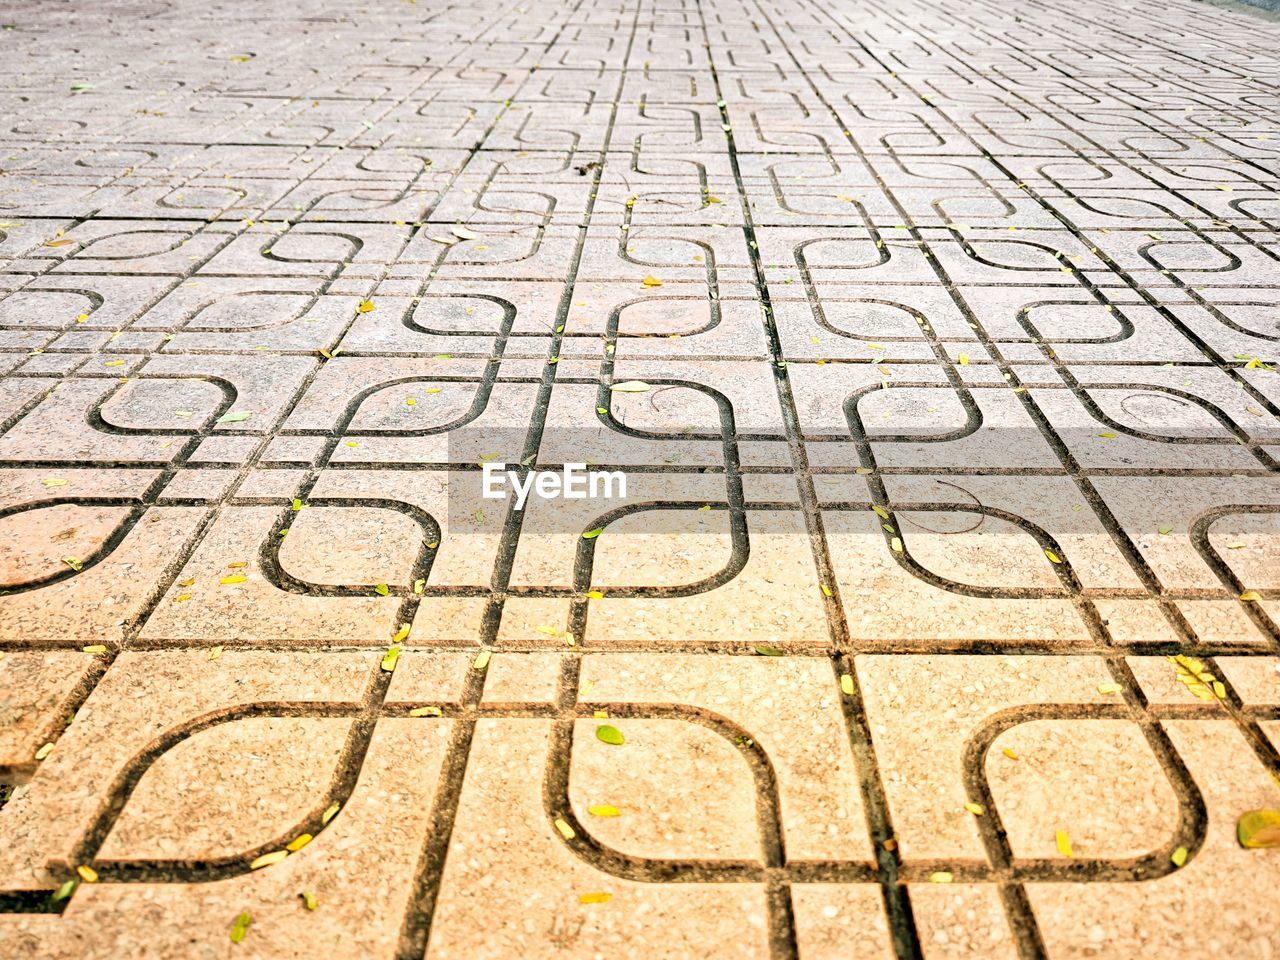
936,342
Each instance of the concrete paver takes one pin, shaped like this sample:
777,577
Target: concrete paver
937,343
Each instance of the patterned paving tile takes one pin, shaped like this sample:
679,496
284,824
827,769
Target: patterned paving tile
936,344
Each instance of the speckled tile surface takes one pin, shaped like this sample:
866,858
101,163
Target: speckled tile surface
937,343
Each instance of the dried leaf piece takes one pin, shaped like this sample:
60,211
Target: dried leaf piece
44,751
595,594
846,684
1063,843
1109,688
381,590
1179,856
65,890
95,648
482,659
309,899
566,831
298,842
765,651
241,926
391,658
595,897
941,876
609,734
234,416
826,591
75,563
975,808
604,810
1251,596
651,281
462,233
330,812
426,712
1053,557
1258,829
629,386
215,652
54,482
1011,754
267,859
365,306
402,633
233,579
1193,674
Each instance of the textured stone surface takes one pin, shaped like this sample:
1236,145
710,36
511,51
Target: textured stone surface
959,419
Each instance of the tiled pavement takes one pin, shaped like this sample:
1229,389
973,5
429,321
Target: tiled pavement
954,325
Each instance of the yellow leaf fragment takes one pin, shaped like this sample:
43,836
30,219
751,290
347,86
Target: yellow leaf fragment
391,658
607,733
1109,688
215,652
241,926
1258,829
566,831
1063,843
846,684
594,897
267,859
95,648
1179,856
234,579
1011,754
365,306
1053,557
941,876
975,808
1251,596
482,659
426,712
298,842
44,751
309,899
330,812
604,810
651,281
